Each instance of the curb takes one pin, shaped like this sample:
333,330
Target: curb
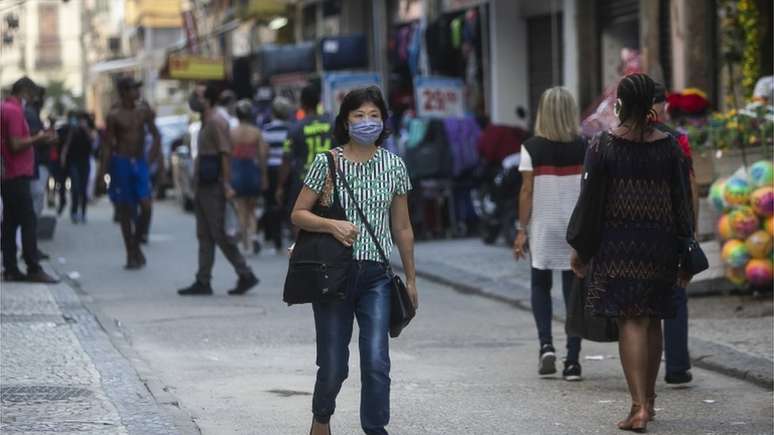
705,354
165,401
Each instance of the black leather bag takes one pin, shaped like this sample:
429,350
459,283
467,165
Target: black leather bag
582,323
692,257
208,171
320,265
402,309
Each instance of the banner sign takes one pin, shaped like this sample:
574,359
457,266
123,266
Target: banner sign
337,85
439,97
186,67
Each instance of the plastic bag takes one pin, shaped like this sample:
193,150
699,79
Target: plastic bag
231,221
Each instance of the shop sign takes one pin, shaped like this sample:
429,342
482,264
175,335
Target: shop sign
184,67
337,85
455,5
439,97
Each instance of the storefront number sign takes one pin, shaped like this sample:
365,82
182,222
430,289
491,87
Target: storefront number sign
439,97
337,85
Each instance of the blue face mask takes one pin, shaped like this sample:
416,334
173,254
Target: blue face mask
365,132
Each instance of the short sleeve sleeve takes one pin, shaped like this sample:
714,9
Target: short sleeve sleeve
403,185
525,164
318,171
14,123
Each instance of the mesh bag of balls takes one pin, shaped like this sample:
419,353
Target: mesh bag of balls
746,227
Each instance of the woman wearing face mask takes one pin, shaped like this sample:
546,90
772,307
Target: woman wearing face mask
380,182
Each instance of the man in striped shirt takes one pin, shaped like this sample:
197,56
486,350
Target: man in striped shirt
275,133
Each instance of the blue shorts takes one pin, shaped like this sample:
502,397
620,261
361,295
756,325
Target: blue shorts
129,180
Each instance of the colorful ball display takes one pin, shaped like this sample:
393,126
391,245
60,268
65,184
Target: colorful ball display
743,221
768,225
762,201
759,244
761,173
717,194
736,276
737,192
735,253
759,272
725,231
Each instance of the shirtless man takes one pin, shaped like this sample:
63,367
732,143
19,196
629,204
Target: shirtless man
124,155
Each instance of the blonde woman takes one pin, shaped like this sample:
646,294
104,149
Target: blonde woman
551,164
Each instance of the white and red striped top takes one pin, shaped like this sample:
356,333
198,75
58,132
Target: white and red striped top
557,168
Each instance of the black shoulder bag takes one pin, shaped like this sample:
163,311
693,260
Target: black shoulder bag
319,265
402,310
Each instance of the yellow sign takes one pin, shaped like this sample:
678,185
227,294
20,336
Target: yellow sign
261,9
184,67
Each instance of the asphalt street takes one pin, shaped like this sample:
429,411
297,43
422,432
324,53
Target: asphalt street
245,365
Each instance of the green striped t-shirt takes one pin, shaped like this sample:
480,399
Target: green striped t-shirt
375,183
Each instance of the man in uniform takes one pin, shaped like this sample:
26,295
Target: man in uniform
124,154
312,135
676,356
212,189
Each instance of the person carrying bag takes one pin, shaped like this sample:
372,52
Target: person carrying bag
376,182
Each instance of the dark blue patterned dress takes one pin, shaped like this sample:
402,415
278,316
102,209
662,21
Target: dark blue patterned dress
634,270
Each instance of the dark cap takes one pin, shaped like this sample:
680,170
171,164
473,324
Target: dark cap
126,83
659,93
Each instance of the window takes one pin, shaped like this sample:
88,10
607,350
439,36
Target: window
49,47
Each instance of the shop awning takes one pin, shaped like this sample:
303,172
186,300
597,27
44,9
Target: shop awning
115,65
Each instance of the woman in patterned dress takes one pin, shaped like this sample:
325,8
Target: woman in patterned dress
632,267
380,183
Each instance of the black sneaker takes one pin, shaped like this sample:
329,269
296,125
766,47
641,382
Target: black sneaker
678,377
14,276
244,284
572,371
547,360
196,289
41,277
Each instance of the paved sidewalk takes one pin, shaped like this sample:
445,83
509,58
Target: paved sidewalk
738,346
60,373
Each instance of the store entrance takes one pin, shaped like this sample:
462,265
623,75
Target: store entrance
545,55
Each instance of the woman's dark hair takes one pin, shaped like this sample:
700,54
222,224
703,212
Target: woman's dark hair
212,91
636,92
352,101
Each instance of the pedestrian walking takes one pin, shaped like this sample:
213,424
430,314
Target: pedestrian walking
39,184
18,168
249,175
275,133
676,356
551,163
380,183
124,154
630,256
212,188
306,138
76,159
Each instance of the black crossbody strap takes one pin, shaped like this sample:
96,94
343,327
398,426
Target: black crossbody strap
365,221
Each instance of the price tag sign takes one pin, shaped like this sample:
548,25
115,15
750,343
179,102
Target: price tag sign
337,85
439,97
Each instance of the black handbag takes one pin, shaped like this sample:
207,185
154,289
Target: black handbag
692,257
581,323
320,265
208,170
402,310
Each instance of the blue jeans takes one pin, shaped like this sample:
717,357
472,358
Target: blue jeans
676,336
542,308
369,300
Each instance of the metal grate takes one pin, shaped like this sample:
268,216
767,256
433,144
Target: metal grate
38,393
